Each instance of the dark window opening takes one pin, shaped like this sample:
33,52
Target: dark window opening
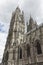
13,55
7,55
28,51
20,53
39,51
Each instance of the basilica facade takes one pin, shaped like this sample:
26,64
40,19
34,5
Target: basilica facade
23,48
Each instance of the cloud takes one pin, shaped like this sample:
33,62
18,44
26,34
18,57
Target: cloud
3,27
3,37
6,9
35,8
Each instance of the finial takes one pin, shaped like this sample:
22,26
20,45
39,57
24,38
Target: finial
18,9
35,23
30,15
22,12
26,23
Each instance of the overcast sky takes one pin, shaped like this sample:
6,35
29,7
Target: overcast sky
33,7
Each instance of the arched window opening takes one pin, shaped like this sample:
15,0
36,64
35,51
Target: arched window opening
39,51
20,53
13,54
7,55
28,51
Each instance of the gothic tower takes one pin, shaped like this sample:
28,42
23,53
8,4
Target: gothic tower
15,37
20,48
32,24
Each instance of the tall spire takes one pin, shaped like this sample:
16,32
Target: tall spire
31,20
18,9
32,24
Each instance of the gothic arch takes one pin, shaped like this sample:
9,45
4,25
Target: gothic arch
38,46
28,50
6,56
19,52
13,54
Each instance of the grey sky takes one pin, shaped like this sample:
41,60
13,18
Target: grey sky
33,7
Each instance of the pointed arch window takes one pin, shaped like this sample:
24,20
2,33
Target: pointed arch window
7,55
20,53
38,46
13,54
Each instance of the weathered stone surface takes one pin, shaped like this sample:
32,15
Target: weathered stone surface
23,48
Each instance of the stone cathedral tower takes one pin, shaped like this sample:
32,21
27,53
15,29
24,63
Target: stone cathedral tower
15,37
20,48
